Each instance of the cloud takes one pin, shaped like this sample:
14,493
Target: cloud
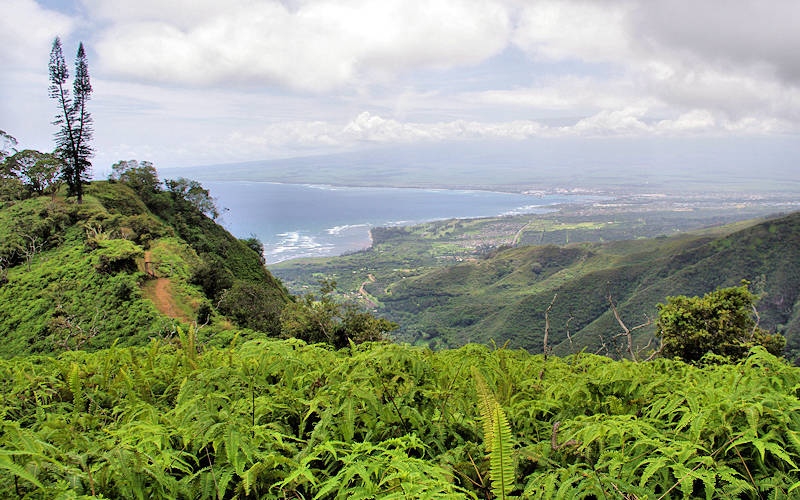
370,128
315,46
730,35
27,32
575,29
733,60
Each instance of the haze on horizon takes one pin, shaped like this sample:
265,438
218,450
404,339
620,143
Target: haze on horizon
205,82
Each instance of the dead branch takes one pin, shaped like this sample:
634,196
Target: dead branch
627,332
656,352
603,346
547,325
569,337
554,439
30,250
755,327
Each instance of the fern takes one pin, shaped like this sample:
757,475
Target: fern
496,439
502,465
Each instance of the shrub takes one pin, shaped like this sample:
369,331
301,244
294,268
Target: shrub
213,278
252,305
321,319
723,322
115,256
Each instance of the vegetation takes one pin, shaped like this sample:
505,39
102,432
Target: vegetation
73,119
282,419
321,319
503,294
721,322
85,276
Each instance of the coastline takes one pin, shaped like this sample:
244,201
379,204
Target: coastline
297,221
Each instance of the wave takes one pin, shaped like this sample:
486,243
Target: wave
524,210
295,244
338,229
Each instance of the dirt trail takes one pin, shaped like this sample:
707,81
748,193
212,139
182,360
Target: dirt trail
364,293
159,290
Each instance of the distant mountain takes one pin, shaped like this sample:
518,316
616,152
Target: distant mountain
698,165
504,297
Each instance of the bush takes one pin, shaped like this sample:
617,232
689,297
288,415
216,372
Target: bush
115,256
254,244
252,305
213,278
322,320
722,322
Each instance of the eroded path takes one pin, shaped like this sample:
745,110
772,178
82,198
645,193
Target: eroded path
364,294
159,291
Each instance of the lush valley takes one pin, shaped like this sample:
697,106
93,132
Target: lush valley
502,294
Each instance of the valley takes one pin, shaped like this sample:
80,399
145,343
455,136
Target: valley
456,281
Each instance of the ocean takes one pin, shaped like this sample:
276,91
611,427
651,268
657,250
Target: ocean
306,220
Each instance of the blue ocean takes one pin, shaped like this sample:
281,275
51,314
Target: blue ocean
303,220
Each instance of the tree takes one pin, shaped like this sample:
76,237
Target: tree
40,172
255,244
723,322
73,120
253,305
7,143
142,177
194,193
321,319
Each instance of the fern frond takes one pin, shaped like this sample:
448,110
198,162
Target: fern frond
502,470
486,405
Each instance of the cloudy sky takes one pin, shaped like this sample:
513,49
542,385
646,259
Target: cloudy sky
191,82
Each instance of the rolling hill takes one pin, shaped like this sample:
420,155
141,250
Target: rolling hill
504,296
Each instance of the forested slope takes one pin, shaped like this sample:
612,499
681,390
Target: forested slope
74,275
504,297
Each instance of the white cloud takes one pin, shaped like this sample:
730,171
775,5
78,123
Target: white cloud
574,29
27,32
370,128
314,46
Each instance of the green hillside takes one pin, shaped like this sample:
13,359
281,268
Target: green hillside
504,297
127,264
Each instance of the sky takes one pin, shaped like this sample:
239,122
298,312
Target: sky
193,82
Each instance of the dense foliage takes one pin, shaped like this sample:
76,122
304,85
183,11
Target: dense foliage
281,419
74,276
320,318
722,322
504,296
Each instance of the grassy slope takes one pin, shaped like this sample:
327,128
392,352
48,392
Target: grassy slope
504,297
64,294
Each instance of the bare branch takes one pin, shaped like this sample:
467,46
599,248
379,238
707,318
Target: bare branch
755,327
656,352
569,337
547,326
554,439
627,332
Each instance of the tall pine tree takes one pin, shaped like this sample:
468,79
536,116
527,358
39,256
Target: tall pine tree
73,120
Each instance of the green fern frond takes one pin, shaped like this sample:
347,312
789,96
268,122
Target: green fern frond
76,388
486,405
502,468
